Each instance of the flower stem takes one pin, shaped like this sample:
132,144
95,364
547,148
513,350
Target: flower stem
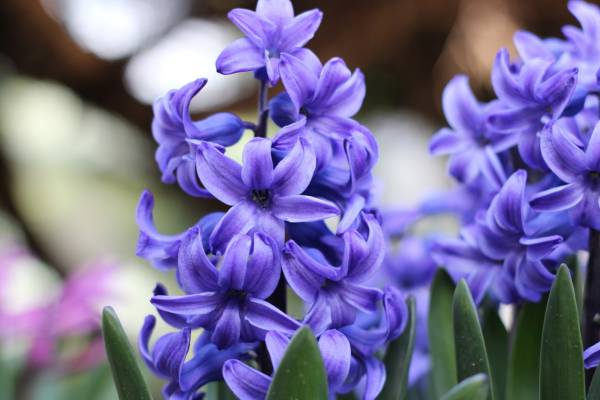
591,305
263,111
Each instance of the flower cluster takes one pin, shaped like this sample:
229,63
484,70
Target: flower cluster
301,215
527,162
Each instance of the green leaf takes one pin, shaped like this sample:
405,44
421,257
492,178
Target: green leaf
523,380
301,374
594,391
496,344
397,359
126,373
219,391
475,387
441,334
562,374
471,355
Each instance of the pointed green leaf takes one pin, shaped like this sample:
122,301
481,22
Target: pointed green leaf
496,344
397,359
219,391
475,387
561,374
125,370
441,334
523,380
301,374
471,354
594,391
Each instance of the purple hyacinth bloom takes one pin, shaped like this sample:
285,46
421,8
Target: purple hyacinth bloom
272,31
463,259
335,293
162,250
167,360
320,103
229,300
469,141
532,94
579,167
591,356
263,196
507,234
249,384
177,134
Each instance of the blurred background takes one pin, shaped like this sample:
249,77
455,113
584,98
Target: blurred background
77,79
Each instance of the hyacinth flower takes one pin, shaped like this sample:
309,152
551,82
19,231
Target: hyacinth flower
336,293
263,196
318,104
167,359
272,31
469,141
532,94
250,384
579,167
507,235
228,301
162,250
176,134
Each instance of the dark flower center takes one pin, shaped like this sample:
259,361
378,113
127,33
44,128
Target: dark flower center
239,294
262,197
593,180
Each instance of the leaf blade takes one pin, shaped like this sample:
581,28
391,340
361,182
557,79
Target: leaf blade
301,373
126,373
471,354
475,387
398,357
441,334
562,348
496,344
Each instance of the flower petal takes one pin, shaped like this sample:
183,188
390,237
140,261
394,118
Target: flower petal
252,25
276,343
240,219
266,317
460,106
592,151
336,353
334,74
234,265
240,56
278,11
195,272
558,198
302,28
562,154
362,297
220,174
257,168
299,208
446,141
541,246
591,356
191,304
229,325
293,174
302,272
264,267
375,377
244,381
507,208
299,81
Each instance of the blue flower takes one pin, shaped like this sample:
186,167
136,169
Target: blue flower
508,234
579,167
263,196
162,250
271,33
318,104
177,134
532,94
229,301
335,293
472,145
168,360
250,384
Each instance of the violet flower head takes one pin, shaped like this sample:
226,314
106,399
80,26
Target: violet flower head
579,167
229,301
469,141
533,94
162,250
320,103
167,359
263,196
507,234
272,31
335,293
250,384
177,134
